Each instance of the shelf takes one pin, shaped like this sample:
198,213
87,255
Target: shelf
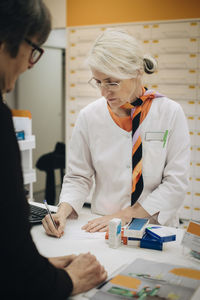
27,144
23,123
29,176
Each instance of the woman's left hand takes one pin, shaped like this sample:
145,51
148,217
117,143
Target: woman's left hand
101,224
98,224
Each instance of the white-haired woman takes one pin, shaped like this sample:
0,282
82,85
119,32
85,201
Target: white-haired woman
134,142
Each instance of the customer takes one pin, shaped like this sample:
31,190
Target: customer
25,274
134,142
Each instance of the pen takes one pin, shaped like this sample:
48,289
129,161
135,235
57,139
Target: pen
45,203
165,138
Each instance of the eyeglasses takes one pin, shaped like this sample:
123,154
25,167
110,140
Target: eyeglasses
36,52
110,86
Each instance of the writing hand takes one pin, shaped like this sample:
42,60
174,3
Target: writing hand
49,227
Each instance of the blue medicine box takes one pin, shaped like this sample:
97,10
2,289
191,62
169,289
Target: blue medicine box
149,242
136,228
161,233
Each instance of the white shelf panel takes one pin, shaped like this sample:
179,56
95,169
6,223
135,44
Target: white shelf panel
27,144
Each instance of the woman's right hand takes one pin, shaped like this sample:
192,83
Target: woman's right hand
60,219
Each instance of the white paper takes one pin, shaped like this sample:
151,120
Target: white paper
73,231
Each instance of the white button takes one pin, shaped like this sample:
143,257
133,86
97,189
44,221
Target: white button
128,167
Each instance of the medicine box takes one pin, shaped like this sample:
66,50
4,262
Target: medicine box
161,233
114,238
151,243
191,238
136,228
22,121
133,241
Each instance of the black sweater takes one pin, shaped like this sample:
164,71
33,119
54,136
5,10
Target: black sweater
24,272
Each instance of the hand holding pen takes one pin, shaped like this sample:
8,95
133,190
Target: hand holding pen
50,215
52,223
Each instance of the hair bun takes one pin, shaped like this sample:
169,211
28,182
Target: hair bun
150,64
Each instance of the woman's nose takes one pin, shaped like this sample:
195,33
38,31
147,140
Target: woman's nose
104,91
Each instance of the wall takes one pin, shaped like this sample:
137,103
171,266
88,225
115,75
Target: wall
58,12
90,12
41,92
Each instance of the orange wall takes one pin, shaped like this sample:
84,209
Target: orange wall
90,12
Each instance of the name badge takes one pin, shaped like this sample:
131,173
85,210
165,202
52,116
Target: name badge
154,136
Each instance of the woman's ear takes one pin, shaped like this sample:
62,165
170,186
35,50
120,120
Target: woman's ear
140,72
138,78
138,83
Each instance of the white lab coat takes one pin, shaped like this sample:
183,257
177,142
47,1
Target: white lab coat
99,148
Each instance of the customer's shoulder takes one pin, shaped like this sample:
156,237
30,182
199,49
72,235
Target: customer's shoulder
5,112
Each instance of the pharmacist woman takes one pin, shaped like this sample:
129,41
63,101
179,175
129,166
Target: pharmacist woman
132,142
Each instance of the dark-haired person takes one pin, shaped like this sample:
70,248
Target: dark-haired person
25,274
134,142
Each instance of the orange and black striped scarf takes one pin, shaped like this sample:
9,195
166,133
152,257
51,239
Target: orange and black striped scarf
139,110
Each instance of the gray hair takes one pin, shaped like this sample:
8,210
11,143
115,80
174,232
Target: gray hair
118,54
